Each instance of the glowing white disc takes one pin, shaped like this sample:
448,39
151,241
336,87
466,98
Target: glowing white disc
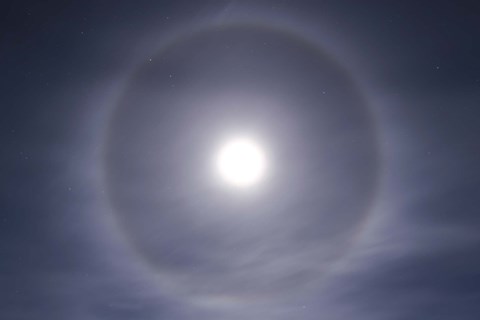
241,162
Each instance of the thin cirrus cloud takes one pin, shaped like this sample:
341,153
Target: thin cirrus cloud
368,210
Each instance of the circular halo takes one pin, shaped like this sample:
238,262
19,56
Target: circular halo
149,230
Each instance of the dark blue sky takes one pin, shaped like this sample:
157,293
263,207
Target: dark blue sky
110,113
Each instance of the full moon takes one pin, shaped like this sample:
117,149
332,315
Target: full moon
241,162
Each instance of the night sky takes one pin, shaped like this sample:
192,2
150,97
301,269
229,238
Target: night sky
112,113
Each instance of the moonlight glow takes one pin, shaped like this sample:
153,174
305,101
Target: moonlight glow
241,162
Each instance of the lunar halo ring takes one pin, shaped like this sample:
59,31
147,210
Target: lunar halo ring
181,280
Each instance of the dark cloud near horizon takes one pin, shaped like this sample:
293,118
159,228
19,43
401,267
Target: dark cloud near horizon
62,255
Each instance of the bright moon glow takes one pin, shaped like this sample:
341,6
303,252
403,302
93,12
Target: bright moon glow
241,162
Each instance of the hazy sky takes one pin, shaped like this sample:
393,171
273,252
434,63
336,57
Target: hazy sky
112,113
